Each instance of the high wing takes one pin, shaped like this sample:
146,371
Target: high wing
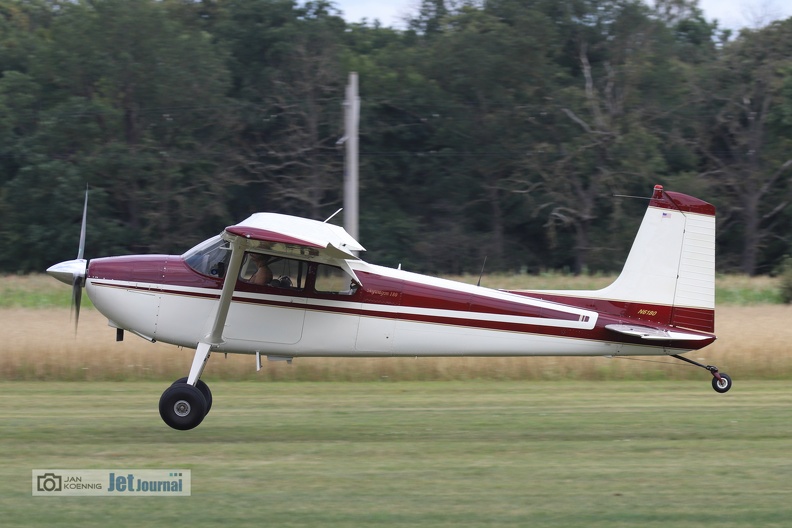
291,236
287,235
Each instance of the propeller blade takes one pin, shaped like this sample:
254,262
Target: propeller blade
81,249
79,277
73,272
76,300
70,270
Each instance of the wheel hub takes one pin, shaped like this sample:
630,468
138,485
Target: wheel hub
181,408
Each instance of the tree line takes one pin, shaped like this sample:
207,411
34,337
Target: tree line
526,132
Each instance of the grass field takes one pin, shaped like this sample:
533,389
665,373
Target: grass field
472,454
435,442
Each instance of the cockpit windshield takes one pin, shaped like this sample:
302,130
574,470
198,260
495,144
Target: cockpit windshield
210,257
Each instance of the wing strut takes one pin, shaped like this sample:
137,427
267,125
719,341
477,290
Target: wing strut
215,335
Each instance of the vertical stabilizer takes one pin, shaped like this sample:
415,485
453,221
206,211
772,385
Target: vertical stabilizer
669,275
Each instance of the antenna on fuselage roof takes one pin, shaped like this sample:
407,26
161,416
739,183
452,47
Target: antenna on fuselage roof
332,215
482,271
628,196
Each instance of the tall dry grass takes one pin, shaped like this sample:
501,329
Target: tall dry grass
40,344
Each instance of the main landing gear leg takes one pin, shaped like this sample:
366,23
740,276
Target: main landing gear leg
720,382
184,404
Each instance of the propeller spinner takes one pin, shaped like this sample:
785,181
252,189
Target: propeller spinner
72,272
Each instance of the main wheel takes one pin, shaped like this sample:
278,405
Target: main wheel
204,388
723,384
182,406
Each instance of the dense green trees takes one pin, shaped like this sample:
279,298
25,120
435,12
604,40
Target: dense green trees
118,96
489,128
747,146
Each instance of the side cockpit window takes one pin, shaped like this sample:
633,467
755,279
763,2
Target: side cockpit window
210,257
273,271
330,279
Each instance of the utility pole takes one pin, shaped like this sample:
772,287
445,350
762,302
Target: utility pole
351,118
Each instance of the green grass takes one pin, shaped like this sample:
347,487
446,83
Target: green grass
610,454
741,290
33,291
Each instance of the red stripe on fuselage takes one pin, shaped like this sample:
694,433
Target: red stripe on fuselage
598,333
699,319
163,272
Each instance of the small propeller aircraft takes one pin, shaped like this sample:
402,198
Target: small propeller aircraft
284,287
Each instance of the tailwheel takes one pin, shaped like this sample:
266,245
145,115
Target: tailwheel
721,382
204,388
182,406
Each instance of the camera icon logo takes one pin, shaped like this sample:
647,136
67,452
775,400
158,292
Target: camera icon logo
49,482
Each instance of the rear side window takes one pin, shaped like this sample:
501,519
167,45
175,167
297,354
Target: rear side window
330,279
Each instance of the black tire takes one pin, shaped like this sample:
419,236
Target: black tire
722,385
182,406
204,388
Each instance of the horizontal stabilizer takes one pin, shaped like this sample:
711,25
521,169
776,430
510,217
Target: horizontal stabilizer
655,334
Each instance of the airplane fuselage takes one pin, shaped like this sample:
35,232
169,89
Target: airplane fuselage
391,313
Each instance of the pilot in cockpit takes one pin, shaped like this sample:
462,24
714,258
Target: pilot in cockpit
263,275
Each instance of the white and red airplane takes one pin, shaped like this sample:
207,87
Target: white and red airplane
285,287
